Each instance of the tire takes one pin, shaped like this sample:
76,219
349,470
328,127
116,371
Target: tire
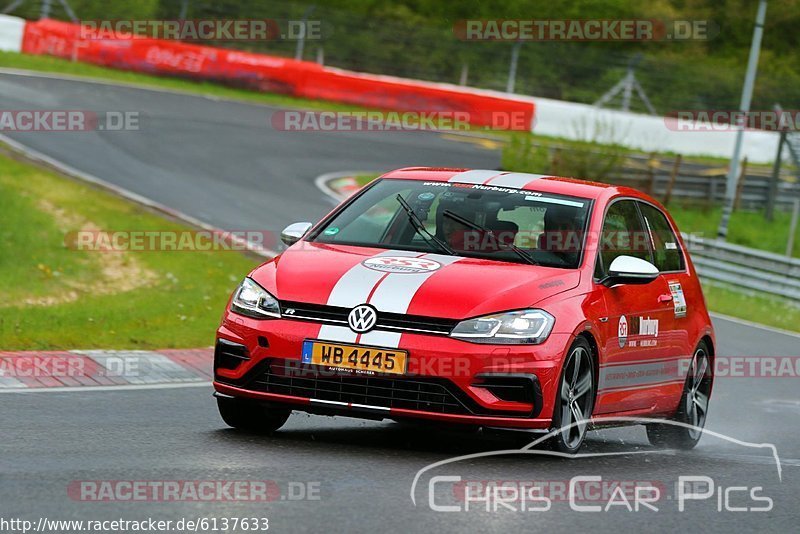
251,416
693,408
575,398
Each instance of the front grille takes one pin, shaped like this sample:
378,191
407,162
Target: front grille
386,321
287,377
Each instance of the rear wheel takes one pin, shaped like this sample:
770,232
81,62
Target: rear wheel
692,409
575,398
251,416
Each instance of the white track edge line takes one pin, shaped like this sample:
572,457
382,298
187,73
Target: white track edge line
752,324
129,195
121,387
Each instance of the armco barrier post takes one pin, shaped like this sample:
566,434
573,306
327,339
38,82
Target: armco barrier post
740,185
793,228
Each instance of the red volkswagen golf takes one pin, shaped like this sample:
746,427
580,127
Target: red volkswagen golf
475,297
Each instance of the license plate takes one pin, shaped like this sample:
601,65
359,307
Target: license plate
355,357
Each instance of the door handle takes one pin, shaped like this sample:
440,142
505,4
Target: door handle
667,297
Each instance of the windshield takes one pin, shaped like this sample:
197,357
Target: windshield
505,224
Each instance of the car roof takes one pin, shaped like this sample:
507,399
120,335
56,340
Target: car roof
534,182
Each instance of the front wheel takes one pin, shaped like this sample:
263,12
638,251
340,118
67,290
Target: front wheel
692,410
575,398
251,416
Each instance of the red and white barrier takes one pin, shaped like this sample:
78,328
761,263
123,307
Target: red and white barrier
277,74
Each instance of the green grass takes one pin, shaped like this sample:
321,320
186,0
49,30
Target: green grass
530,152
747,228
755,307
364,179
55,297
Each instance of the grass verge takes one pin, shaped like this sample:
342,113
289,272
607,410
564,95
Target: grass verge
755,307
55,297
747,228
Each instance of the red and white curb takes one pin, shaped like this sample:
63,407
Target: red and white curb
340,185
104,369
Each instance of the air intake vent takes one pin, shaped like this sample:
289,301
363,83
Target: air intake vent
229,355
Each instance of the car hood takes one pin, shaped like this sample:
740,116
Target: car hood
433,285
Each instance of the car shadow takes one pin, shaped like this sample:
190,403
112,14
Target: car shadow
384,437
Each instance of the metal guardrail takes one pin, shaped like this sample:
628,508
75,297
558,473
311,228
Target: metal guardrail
745,267
704,184
667,178
711,189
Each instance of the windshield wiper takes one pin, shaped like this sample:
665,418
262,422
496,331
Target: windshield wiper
475,226
419,226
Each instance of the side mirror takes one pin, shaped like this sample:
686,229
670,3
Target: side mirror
295,232
630,270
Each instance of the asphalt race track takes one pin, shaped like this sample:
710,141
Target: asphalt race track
222,163
219,161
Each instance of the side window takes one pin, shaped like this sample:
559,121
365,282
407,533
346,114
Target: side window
666,250
623,235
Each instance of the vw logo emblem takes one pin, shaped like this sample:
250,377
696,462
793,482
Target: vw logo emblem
362,318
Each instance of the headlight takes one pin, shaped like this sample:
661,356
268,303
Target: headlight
252,300
524,327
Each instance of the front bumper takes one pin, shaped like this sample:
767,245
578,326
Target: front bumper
447,379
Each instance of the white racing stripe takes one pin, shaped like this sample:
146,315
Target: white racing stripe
330,332
392,292
394,295
516,180
381,338
474,176
352,289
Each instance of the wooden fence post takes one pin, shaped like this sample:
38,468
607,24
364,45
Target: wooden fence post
672,177
651,174
774,181
712,190
555,163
